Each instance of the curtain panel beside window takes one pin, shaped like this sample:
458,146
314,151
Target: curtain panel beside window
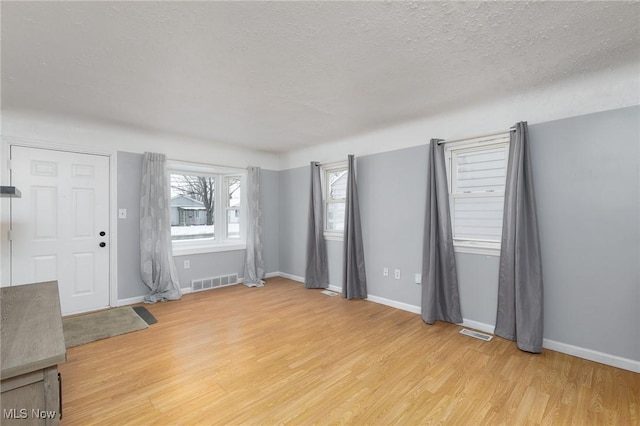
317,266
520,295
157,268
354,277
440,295
254,261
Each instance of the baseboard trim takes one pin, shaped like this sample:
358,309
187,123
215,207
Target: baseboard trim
291,277
185,290
591,355
335,288
394,304
272,274
565,348
140,299
129,301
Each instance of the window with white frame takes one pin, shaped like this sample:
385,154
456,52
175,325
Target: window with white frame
232,186
207,208
334,184
476,174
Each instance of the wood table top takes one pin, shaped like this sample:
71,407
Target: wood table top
31,336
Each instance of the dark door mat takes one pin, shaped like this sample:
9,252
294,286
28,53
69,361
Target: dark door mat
145,314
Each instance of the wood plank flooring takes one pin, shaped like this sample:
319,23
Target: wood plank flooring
285,355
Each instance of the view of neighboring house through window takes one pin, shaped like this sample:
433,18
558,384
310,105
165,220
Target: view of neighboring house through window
206,207
476,172
192,206
334,195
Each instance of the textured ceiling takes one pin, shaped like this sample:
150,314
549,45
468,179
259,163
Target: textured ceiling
280,75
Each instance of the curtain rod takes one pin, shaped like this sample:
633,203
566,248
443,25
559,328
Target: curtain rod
511,129
171,160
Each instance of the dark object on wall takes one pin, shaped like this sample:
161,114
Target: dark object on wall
10,192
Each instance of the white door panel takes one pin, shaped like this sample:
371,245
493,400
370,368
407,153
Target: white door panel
56,225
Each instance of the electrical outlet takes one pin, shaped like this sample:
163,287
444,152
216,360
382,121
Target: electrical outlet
385,272
187,264
418,278
396,274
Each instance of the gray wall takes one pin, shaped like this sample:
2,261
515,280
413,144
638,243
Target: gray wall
478,285
207,265
587,184
586,175
392,191
129,175
270,201
294,208
201,265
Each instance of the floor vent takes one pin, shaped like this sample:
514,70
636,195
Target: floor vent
213,282
329,292
476,334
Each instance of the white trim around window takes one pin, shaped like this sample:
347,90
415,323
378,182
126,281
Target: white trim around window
220,241
476,173
331,202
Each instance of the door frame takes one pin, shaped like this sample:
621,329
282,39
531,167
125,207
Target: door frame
5,249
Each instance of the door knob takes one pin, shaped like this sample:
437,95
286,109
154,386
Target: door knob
102,233
103,244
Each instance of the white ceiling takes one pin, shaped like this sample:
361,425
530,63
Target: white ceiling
276,76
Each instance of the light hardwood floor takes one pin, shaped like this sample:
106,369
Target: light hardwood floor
283,354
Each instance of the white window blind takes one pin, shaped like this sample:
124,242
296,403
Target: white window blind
481,171
477,174
478,218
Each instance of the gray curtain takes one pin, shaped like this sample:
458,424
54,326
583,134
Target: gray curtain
317,269
254,262
157,269
519,315
440,297
354,278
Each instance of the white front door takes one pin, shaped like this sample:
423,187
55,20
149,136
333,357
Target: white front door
60,226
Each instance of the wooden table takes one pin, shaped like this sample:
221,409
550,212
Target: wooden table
31,347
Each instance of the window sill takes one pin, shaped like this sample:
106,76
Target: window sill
333,236
209,248
475,248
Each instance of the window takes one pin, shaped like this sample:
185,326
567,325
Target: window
476,173
334,184
232,195
206,208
